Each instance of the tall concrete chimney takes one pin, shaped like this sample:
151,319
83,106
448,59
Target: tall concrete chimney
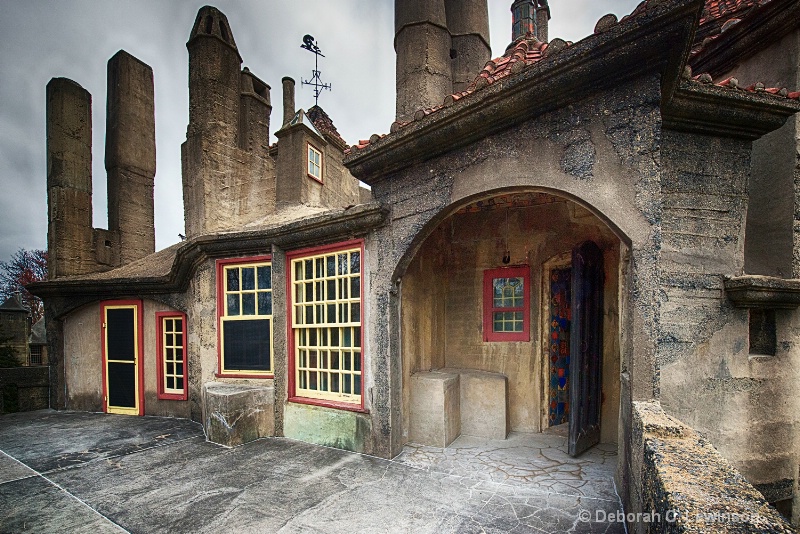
131,155
422,43
225,159
69,179
288,100
468,22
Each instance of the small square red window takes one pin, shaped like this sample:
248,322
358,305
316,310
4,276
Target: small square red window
506,304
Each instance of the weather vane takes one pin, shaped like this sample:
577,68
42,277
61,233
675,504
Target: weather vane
316,82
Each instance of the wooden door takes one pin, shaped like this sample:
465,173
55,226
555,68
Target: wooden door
121,358
586,347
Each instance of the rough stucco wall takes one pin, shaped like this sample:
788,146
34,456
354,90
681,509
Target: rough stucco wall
84,362
704,354
339,188
771,208
83,359
424,293
604,152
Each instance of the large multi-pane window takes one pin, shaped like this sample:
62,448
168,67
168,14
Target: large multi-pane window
314,163
506,304
244,305
171,345
326,313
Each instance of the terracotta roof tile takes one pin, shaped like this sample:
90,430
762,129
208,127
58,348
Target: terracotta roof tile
324,124
718,17
520,54
733,84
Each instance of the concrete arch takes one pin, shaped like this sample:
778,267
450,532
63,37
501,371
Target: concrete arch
615,225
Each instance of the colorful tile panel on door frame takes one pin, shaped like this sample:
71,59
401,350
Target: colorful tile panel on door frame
560,316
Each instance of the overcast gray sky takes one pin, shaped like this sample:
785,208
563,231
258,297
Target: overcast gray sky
42,39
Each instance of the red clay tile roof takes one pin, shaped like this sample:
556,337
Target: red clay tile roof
717,16
519,54
733,83
324,124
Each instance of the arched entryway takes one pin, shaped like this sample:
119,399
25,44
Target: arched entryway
488,315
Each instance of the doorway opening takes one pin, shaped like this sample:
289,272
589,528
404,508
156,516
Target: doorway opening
463,352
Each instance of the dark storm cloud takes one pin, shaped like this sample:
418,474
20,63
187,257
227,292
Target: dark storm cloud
42,39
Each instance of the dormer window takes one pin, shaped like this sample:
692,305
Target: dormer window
314,163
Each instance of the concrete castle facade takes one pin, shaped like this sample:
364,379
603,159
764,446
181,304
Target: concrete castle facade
570,233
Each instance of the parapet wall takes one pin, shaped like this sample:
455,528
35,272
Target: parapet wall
681,483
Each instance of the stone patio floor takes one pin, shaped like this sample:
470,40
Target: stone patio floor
81,472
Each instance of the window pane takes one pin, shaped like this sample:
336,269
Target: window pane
247,345
233,304
248,278
331,290
355,262
233,279
508,292
355,287
342,263
265,303
265,277
331,263
248,303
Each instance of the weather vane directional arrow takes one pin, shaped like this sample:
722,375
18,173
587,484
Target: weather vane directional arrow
310,44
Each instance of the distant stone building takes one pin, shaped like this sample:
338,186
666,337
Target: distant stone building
37,344
552,236
15,326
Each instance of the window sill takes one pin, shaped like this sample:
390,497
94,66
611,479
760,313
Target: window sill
329,404
170,396
243,375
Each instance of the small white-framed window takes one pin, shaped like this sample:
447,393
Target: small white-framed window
314,163
171,346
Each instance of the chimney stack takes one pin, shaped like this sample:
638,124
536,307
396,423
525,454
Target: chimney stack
288,100
422,43
131,155
69,180
530,16
468,23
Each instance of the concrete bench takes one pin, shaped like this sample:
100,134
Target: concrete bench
446,403
234,414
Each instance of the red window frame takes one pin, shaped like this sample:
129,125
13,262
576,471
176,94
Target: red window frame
489,275
139,339
160,355
313,251
221,264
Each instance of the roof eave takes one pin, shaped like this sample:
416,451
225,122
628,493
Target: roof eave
628,50
726,112
326,227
